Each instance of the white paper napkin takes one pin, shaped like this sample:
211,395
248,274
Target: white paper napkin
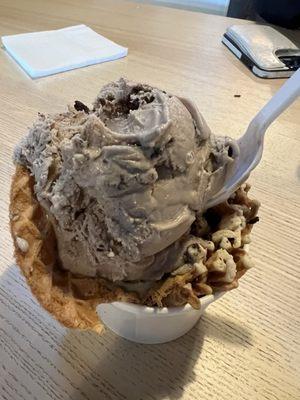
49,52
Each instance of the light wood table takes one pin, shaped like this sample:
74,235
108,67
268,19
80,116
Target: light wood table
247,344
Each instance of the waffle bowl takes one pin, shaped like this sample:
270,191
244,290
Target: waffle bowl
215,266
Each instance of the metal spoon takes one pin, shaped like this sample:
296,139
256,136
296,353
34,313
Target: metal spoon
251,143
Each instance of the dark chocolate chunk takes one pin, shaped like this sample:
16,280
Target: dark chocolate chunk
253,221
79,106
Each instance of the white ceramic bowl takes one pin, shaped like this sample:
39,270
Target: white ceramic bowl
152,325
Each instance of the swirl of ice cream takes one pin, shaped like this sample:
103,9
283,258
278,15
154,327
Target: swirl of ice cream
123,182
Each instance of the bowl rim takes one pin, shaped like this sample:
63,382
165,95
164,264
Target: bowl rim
156,311
141,309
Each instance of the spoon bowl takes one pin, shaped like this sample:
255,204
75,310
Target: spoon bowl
251,143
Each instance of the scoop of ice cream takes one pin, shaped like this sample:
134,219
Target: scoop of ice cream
122,182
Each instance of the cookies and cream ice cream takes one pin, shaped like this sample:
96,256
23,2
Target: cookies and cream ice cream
123,182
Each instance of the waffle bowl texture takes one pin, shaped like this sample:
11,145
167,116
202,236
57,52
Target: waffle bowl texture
214,260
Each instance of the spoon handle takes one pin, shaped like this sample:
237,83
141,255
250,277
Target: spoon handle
283,98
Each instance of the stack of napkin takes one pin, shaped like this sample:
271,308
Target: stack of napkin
46,53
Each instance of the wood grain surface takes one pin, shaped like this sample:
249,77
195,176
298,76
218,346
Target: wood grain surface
247,344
